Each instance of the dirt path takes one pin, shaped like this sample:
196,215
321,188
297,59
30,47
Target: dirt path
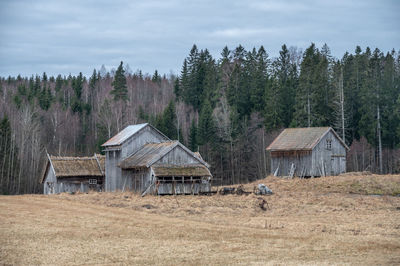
71,229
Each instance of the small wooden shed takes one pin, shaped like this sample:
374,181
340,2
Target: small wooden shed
308,152
166,168
72,174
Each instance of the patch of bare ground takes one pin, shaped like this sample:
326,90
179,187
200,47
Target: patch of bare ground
351,219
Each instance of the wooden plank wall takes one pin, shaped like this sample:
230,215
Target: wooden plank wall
334,160
115,179
285,163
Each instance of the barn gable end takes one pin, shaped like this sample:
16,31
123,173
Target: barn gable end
329,155
121,146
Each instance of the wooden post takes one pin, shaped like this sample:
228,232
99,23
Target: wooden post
173,185
192,188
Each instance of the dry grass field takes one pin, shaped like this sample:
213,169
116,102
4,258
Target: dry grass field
350,219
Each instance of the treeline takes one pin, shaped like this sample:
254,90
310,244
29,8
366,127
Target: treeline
68,116
251,96
228,108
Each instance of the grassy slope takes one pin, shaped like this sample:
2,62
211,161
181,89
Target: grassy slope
309,221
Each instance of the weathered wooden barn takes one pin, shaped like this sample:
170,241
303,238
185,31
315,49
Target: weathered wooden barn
140,158
72,174
308,152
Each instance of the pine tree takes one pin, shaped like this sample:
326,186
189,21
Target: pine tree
120,91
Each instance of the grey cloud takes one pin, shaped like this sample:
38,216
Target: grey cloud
73,36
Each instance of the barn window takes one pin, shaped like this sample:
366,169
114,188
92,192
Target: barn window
328,144
92,181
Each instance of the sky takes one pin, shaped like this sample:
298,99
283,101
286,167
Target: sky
68,37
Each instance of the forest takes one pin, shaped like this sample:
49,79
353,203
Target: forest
228,108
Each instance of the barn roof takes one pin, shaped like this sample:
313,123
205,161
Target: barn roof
75,166
186,170
151,153
128,132
301,139
101,159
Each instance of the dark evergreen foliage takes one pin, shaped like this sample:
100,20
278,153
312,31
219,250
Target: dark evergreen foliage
120,91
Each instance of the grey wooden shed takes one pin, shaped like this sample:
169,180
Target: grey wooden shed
72,174
308,152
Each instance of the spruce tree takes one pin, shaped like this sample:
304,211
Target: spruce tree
120,91
168,123
59,83
193,145
273,107
156,78
206,129
183,83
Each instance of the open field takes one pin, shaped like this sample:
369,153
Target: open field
351,219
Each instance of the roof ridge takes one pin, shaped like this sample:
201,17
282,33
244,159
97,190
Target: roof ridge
67,158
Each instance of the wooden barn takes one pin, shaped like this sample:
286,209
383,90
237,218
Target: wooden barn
72,174
308,152
140,158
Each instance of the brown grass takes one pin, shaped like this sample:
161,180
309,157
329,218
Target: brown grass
330,220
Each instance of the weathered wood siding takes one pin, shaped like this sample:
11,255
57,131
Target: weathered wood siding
49,184
179,187
115,178
333,160
136,181
177,156
144,136
302,163
65,186
113,173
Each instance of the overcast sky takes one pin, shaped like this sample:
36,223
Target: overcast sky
62,37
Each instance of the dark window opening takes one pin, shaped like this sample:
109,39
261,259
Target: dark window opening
328,144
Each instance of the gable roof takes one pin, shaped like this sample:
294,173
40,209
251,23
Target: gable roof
301,139
75,166
128,132
152,152
101,161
